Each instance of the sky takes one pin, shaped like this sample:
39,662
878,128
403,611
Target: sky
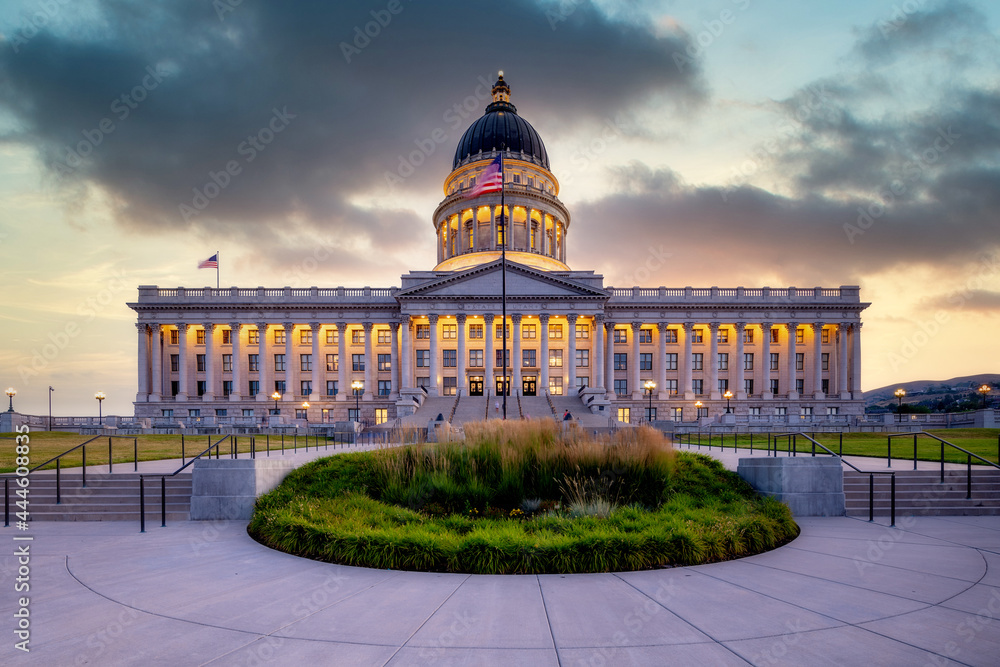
748,142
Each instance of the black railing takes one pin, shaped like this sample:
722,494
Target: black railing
968,456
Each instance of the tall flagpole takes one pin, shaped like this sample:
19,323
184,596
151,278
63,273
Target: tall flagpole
217,269
503,281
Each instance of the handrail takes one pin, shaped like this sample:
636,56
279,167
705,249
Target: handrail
163,485
968,457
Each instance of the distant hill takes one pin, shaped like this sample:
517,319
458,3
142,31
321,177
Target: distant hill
920,390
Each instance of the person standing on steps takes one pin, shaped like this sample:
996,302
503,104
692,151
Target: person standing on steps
496,405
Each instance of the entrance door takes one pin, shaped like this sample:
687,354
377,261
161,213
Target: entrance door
476,386
528,385
503,386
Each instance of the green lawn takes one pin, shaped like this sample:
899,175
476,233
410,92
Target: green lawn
981,441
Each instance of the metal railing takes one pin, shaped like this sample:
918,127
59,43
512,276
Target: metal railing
968,456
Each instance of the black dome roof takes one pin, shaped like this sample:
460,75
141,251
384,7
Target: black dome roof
501,126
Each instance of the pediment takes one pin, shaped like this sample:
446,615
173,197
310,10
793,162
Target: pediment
485,281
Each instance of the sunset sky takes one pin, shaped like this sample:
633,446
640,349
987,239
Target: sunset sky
750,142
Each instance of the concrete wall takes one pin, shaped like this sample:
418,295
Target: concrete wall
810,486
228,488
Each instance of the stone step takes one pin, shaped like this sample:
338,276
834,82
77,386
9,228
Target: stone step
152,515
927,511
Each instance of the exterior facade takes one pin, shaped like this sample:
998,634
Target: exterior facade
220,356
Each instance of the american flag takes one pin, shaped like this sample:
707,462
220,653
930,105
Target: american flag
490,180
210,263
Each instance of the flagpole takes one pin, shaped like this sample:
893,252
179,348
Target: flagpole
503,282
217,269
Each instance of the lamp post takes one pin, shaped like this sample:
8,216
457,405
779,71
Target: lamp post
357,386
100,396
900,393
305,406
697,410
11,393
276,395
51,389
984,390
650,386
728,395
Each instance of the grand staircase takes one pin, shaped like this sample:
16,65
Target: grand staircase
921,493
107,497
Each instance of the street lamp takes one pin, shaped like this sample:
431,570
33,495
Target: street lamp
51,389
100,396
276,395
357,386
697,410
900,393
650,386
305,406
11,393
984,390
728,395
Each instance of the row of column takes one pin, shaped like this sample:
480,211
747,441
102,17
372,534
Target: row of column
550,247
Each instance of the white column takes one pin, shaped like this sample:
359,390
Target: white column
515,360
370,389
291,391
661,361
461,360
843,387
142,392
210,376
317,370
712,363
343,363
793,327
237,376
598,352
490,352
263,377
475,228
182,376
543,363
493,229
817,328
634,378
609,358
435,368
738,391
856,361
396,375
570,364
765,362
156,362
685,363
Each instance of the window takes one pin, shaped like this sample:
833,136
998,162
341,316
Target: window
624,415
775,358
355,391
697,336
754,411
555,332
780,412
621,335
384,336
385,362
671,335
200,384
253,362
774,387
671,387
806,411
174,336
621,361
381,415
167,412
825,359
645,335
502,359
645,361
621,387
279,362
702,412
279,336
698,386
748,386
671,361
476,358
476,331
528,359
677,414
384,387
301,413
723,361
357,336
449,331
583,358
723,385
450,387
221,412
227,336
697,361
723,335
227,363
253,336
556,385
650,413
800,360
331,387
832,411
199,361
449,358
199,337
227,387
175,362
825,336
279,386
332,362
358,362
353,415
748,335
423,358
799,386
254,387
748,361
528,331
800,335
582,331
825,386
306,386
423,331
555,358
581,384
305,362
332,336
774,335
498,332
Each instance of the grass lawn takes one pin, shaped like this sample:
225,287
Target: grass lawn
981,441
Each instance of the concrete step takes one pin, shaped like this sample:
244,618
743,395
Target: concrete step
152,515
107,497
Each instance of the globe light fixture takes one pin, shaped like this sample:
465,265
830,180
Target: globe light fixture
984,390
728,395
357,386
899,393
11,393
650,386
100,396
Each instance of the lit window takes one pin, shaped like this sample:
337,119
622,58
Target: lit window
423,331
384,336
279,336
624,415
385,362
357,336
449,331
332,362
825,336
671,335
227,336
528,358
358,362
476,358
671,387
645,335
449,358
450,386
227,362
528,331
723,335
174,336
253,337
774,335
199,337
476,331
306,337
621,335
556,385
621,361
332,336
423,358
800,335
555,332
697,336
748,335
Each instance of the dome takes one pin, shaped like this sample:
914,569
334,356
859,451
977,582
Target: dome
501,126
